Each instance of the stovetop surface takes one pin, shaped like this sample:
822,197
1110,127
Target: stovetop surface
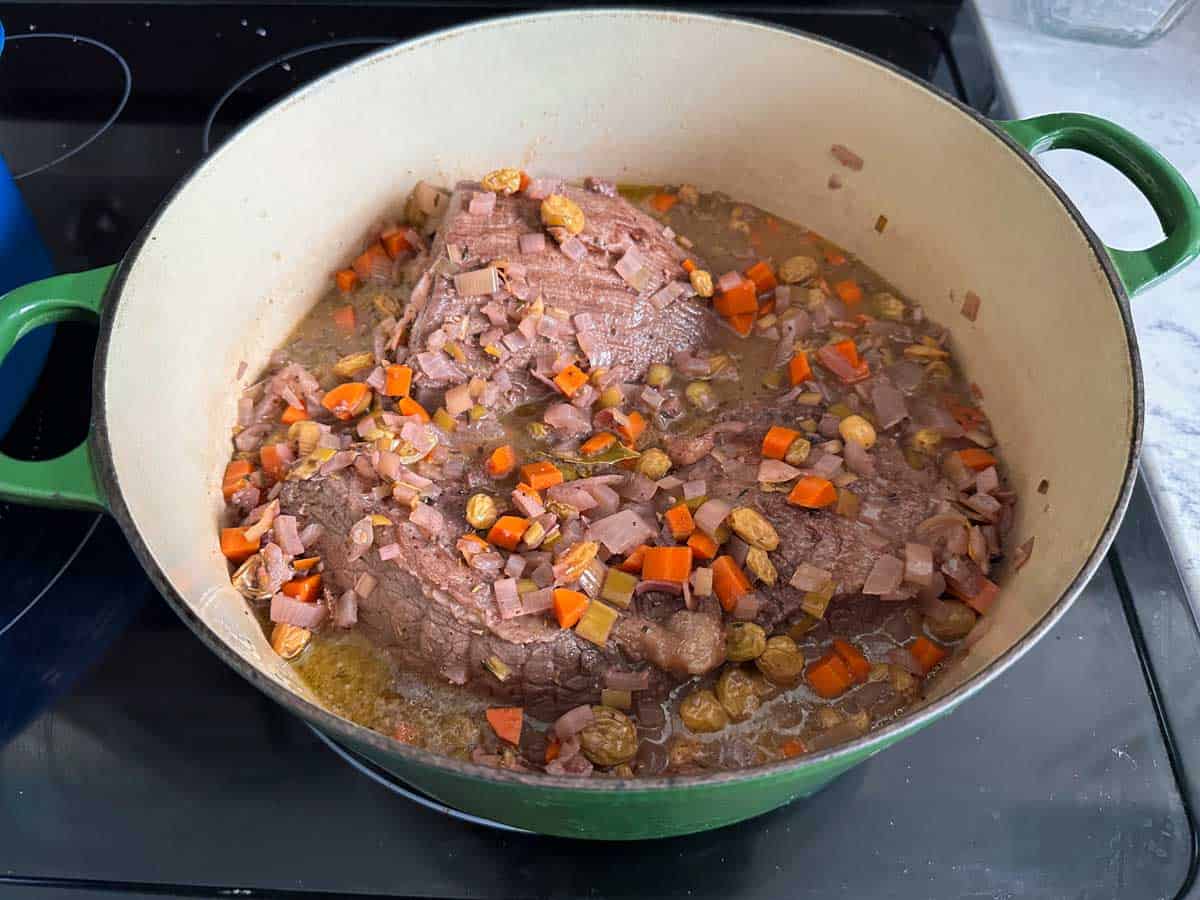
133,761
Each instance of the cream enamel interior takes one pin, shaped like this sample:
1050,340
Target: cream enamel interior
245,247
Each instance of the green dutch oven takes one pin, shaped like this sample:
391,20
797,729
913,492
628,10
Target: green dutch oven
246,243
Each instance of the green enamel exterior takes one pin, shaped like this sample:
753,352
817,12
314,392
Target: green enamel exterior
613,810
1169,194
68,480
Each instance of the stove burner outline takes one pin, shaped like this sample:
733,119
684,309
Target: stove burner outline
282,58
108,123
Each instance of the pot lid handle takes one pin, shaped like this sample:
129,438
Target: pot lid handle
67,480
1160,182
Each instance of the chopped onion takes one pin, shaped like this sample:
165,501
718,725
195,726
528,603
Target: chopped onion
1021,554
729,281
890,407
572,495
428,519
617,680
514,341
633,269
637,488
652,397
695,489
527,504
532,243
291,611
970,306
885,576
482,203
607,500
287,535
810,578
573,249
738,549
250,438
987,481
962,575
508,600
311,534
840,366
571,723
826,466
773,471
365,584
541,188
985,505
711,514
477,283
747,606
621,532
345,610
906,375
438,366
918,564
658,586
567,418
390,551
858,459
458,399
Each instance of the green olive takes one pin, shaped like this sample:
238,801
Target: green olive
658,375
654,464
702,712
744,641
888,306
958,622
610,739
736,692
782,662
701,395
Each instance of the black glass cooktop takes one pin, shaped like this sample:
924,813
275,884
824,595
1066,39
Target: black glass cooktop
133,762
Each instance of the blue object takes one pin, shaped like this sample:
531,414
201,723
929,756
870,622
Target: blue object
23,258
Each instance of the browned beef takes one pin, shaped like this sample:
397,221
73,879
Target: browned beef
846,548
626,328
437,616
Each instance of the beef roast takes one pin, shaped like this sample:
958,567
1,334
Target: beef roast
437,616
588,309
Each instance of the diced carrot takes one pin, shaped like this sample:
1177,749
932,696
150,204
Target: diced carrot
367,261
303,588
688,266
541,475
664,202
273,464
569,606
983,599
859,665
813,492
633,562
410,407
849,292
743,325
926,653
235,476
343,318
778,441
507,532
762,276
597,443
394,242
525,179
829,676
506,722
293,414
965,415
835,257
347,400
529,492
680,521
502,461
729,582
634,428
346,280
397,381
799,370
792,748
976,458
235,546
737,300
553,748
570,380
848,350
703,547
303,565
667,564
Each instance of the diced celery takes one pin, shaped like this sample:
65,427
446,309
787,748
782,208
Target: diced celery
616,699
618,587
596,623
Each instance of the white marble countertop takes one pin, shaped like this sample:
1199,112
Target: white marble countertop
1148,91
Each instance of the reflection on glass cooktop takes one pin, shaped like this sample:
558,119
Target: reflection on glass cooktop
123,739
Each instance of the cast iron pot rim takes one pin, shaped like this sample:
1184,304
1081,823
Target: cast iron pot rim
345,730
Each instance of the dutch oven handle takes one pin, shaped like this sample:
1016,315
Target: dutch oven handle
68,480
1160,182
